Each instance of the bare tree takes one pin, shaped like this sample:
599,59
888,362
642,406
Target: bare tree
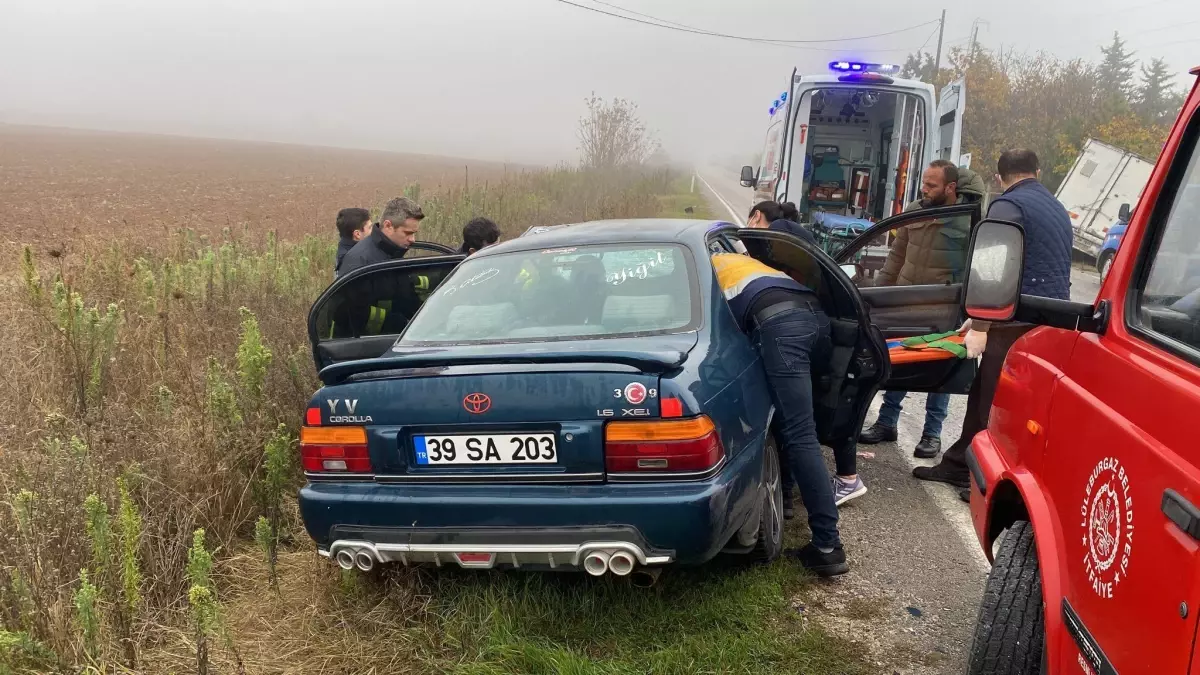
611,134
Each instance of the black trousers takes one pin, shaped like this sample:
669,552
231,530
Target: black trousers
979,400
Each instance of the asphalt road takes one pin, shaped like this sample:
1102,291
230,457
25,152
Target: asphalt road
917,572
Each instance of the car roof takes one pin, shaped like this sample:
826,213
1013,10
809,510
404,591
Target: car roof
632,230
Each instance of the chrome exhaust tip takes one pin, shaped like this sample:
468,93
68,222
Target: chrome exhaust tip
345,559
364,561
596,563
621,563
645,577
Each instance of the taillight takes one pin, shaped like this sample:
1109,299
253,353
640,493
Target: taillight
662,446
334,450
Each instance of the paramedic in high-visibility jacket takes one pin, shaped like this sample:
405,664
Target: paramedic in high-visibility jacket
791,332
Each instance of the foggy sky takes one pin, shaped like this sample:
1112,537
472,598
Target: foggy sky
491,79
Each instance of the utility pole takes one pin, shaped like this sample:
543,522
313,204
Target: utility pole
937,61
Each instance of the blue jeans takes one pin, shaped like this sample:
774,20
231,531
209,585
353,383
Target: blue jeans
789,343
936,406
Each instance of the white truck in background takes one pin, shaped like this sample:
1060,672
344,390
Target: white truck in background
1102,182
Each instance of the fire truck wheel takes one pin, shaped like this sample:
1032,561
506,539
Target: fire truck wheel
1010,630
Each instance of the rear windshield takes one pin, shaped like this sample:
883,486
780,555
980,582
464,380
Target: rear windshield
565,293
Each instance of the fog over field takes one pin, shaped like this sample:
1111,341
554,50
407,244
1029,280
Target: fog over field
493,79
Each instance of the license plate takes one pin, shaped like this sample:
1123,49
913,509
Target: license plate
486,449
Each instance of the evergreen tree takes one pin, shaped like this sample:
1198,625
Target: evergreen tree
1116,70
1155,94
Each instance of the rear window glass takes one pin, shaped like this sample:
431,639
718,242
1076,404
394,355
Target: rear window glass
565,293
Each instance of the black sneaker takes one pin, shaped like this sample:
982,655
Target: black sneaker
940,473
789,508
878,433
821,564
928,448
965,495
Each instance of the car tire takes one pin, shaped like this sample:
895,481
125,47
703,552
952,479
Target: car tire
1104,265
770,526
1010,631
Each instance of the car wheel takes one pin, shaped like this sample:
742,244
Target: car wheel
1105,265
770,526
1010,631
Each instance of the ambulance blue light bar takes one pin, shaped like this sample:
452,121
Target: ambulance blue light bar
857,67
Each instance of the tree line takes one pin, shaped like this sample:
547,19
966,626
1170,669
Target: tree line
1052,106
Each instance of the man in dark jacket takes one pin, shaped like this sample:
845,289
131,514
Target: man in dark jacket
1047,274
352,225
390,239
929,252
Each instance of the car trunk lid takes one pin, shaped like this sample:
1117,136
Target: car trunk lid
497,404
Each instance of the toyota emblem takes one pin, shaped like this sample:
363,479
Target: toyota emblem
477,403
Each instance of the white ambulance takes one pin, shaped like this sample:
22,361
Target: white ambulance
848,147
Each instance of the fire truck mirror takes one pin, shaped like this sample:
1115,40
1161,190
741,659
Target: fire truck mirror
997,257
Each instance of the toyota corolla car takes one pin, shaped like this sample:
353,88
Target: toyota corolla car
580,398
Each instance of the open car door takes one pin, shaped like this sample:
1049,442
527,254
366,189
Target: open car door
952,101
922,297
362,313
424,249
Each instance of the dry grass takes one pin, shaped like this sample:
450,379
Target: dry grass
162,404
173,234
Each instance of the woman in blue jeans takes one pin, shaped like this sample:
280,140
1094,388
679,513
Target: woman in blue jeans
846,484
791,333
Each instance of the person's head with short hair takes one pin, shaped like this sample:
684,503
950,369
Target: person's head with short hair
939,183
354,223
1017,165
478,234
400,221
763,214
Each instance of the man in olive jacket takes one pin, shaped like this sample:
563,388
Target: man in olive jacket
925,253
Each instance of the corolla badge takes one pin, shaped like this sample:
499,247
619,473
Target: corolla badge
477,403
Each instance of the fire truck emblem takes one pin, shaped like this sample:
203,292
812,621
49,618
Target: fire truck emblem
1107,522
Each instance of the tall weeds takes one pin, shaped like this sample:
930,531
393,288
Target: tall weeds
152,392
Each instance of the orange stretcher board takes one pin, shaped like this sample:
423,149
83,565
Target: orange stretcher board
899,354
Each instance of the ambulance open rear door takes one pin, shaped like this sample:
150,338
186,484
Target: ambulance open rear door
952,101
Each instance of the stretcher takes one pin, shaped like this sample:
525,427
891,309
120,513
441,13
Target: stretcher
936,347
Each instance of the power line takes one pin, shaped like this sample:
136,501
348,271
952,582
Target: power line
1160,28
670,25
926,43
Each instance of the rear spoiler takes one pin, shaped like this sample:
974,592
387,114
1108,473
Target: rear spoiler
649,361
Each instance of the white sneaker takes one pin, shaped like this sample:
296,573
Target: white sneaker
844,492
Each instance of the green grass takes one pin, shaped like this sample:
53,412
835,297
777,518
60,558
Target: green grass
676,203
716,619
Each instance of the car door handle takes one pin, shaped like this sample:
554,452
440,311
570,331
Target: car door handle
1181,512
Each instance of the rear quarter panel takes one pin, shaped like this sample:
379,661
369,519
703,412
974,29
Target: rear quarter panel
723,378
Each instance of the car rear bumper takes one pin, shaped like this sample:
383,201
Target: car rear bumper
534,526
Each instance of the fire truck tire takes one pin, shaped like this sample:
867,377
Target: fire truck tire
1010,631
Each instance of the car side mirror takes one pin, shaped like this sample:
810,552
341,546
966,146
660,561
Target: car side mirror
1124,213
995,269
748,179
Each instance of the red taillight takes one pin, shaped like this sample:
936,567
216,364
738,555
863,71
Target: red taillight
671,407
662,446
334,450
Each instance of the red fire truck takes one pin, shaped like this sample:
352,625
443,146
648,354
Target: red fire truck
1086,485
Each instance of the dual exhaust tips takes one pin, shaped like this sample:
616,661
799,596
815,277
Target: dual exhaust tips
622,564
596,563
348,559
